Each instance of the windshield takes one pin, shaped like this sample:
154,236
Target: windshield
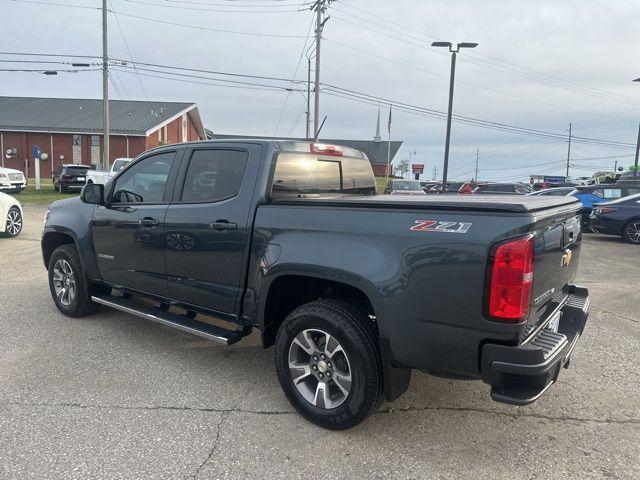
76,171
407,185
119,165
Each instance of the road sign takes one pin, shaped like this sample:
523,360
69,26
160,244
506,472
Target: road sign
36,151
417,168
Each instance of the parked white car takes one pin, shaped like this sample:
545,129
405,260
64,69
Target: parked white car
102,177
10,216
12,180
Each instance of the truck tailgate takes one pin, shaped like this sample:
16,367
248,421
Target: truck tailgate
557,248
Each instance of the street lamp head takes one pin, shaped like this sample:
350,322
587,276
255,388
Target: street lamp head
441,44
637,80
467,45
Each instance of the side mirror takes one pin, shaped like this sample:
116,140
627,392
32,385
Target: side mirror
92,193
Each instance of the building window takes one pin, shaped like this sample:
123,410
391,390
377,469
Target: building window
95,140
76,140
185,128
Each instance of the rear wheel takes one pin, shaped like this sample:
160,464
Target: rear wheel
67,283
328,363
631,232
13,225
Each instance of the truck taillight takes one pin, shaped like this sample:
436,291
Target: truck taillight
510,280
605,209
325,149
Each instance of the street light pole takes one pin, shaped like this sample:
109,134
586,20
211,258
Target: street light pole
452,75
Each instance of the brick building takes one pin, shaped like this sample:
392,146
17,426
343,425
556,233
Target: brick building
70,130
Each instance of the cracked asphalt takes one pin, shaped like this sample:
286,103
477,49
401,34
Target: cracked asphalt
111,396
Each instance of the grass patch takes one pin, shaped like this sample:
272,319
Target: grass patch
44,196
382,184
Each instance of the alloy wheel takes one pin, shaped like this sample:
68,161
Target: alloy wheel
64,282
633,231
320,368
14,222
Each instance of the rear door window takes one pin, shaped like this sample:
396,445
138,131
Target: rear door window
214,175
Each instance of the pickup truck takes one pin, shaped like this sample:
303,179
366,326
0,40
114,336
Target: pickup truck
354,289
102,177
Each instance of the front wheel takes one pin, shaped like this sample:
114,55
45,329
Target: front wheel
13,225
328,364
631,232
67,283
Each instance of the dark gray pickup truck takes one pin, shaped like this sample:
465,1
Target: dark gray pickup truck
353,288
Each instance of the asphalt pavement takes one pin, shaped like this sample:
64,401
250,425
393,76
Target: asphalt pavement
112,396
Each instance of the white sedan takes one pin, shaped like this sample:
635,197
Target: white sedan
12,180
10,216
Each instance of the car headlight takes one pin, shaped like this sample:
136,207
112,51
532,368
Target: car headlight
3,175
46,217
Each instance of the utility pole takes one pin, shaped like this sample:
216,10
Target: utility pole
475,177
568,152
320,6
308,96
105,88
635,168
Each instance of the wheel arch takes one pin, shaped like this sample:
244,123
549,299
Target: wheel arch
291,290
52,240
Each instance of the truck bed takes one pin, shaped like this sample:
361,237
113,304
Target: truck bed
493,203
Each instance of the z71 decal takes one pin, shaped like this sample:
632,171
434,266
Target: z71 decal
443,227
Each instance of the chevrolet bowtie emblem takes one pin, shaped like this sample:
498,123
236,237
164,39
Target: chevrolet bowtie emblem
567,256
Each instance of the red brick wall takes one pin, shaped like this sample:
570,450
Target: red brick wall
63,145
174,134
380,170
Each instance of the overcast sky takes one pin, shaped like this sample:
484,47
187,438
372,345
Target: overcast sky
539,65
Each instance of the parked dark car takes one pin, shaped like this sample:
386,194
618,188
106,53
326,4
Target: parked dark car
70,177
353,289
619,217
404,187
592,194
554,192
503,188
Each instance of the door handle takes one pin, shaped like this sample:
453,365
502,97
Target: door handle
149,222
223,225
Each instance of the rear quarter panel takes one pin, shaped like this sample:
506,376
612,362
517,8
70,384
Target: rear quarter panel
426,287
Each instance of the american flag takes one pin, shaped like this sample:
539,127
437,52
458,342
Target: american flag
389,124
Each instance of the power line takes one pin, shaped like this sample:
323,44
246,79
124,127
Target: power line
295,73
509,68
210,29
126,44
228,8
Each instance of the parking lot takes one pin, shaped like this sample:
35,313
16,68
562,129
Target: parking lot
112,396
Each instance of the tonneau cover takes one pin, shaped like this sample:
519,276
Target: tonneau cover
503,203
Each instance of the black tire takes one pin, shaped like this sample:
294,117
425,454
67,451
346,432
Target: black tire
631,232
80,305
61,189
354,331
13,223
